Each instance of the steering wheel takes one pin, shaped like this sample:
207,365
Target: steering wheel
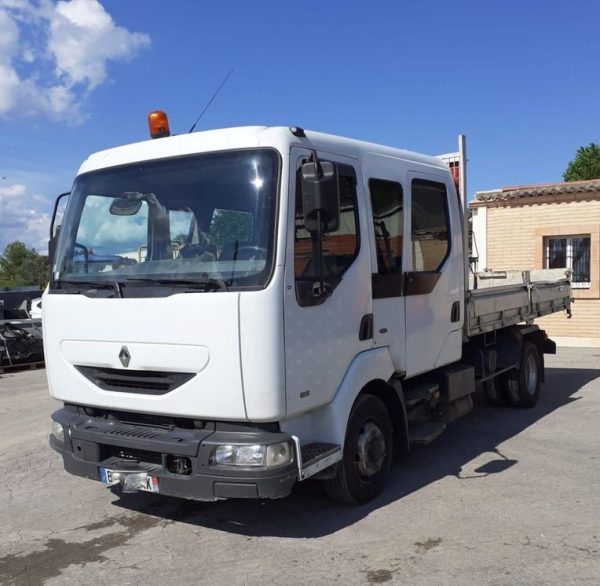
251,252
86,255
192,251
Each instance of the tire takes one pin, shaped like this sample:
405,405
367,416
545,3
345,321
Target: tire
493,392
521,388
365,465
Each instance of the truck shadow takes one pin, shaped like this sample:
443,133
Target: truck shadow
308,512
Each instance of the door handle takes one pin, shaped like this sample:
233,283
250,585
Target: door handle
455,312
365,330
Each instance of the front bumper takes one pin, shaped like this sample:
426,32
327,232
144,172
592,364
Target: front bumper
92,442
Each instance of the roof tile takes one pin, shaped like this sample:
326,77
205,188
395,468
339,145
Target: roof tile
544,189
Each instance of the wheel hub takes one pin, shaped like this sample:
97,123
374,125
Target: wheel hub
370,450
531,374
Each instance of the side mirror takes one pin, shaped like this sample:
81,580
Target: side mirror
320,196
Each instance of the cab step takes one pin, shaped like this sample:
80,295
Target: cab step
423,392
424,432
315,457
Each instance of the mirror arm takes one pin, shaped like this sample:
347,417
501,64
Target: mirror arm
319,255
55,210
315,159
52,240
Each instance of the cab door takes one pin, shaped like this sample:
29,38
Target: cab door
433,283
323,334
386,197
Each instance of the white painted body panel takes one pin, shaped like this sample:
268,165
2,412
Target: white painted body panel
322,340
262,344
328,423
177,333
262,351
388,313
144,356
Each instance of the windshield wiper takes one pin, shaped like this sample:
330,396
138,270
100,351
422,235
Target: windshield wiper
201,283
114,285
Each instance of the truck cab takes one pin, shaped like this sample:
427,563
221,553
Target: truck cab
233,311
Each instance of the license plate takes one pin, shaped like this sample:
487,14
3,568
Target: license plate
130,481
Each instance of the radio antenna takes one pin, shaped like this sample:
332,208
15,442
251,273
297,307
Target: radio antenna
210,101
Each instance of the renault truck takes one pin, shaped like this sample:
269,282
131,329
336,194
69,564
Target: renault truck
231,312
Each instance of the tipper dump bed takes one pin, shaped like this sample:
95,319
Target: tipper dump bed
497,299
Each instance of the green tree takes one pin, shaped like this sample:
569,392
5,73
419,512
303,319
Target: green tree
20,265
585,165
231,225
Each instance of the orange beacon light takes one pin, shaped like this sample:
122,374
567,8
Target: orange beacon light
158,123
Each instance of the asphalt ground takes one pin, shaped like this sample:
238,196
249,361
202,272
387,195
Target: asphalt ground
504,496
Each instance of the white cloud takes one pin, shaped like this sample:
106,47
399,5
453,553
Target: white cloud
28,55
18,4
53,54
23,217
9,88
83,37
9,37
11,191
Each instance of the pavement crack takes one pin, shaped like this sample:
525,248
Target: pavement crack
530,543
588,550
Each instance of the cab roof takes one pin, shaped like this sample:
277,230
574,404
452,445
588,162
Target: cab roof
279,137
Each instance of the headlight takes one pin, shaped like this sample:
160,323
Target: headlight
58,431
269,456
240,455
279,454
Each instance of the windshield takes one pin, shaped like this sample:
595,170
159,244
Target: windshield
194,219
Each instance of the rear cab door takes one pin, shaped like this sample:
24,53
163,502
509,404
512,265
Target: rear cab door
433,287
385,183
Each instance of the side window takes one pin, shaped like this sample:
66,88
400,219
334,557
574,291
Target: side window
386,203
430,238
573,253
340,248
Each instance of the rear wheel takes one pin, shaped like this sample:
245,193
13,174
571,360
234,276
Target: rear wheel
521,388
367,454
493,392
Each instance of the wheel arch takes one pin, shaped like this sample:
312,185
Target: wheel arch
393,399
367,371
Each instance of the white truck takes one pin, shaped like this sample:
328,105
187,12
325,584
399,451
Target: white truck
234,311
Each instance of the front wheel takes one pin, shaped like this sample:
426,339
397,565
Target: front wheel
367,454
521,388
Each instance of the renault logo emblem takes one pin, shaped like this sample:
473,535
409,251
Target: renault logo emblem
124,356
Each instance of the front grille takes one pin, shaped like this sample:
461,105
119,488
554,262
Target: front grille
144,382
140,432
130,455
147,420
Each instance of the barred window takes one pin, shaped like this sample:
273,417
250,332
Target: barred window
570,252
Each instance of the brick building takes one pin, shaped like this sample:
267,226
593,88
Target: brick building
547,226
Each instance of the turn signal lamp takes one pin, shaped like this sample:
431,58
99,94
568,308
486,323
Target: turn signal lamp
158,123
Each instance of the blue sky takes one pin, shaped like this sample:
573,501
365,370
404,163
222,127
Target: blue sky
520,78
